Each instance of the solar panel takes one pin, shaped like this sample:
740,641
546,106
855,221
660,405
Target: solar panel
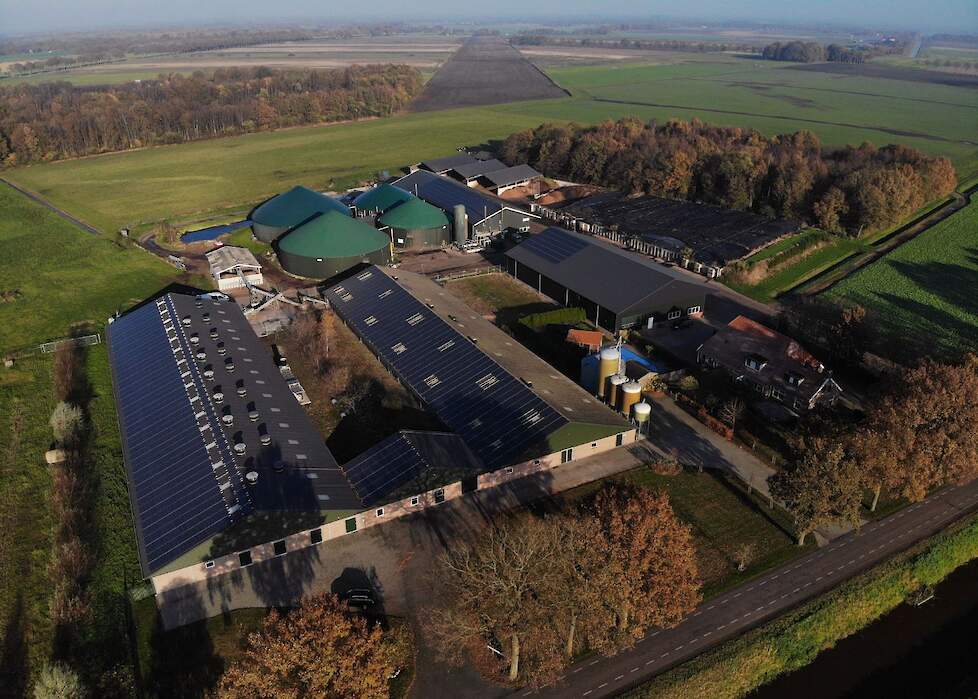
496,415
170,445
446,194
383,468
554,245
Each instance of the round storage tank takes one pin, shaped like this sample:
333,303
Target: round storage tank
289,209
631,393
416,224
380,198
614,388
330,244
642,412
608,361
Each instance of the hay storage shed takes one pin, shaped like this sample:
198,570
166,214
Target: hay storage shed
329,244
416,224
380,199
289,209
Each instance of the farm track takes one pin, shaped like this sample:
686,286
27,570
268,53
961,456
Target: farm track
828,278
51,207
787,117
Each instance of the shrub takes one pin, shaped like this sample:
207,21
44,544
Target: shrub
689,383
58,681
67,423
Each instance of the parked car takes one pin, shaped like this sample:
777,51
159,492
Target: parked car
359,598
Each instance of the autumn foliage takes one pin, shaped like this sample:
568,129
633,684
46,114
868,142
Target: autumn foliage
538,590
320,649
852,189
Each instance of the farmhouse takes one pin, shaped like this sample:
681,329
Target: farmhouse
771,364
289,209
474,214
669,230
617,289
329,244
233,267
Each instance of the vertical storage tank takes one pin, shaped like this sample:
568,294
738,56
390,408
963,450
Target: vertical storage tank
641,412
631,393
461,224
614,388
608,361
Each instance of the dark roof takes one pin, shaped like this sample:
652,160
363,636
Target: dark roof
295,206
380,198
414,214
511,175
499,418
333,235
448,162
479,167
780,355
445,194
717,236
409,463
185,481
604,273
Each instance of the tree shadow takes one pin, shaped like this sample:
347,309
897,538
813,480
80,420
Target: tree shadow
13,656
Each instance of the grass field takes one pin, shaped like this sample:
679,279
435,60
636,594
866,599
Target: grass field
199,178
923,293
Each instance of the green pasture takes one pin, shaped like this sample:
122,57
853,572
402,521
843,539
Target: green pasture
923,293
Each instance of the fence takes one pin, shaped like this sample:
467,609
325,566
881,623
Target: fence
56,345
480,272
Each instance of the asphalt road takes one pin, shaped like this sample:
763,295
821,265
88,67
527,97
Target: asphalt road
764,598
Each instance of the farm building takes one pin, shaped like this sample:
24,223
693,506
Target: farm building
329,244
771,364
665,228
379,199
233,267
499,181
482,215
289,209
469,173
440,166
416,224
616,288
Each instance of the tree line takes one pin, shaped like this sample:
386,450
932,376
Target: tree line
52,121
527,595
919,433
539,39
811,52
850,189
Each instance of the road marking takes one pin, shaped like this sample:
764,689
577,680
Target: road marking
587,692
819,578
758,609
697,613
710,607
634,669
721,627
707,634
795,590
603,684
679,648
576,670
618,678
593,662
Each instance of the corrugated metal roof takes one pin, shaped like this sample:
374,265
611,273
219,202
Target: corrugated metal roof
601,272
230,256
447,163
479,167
511,175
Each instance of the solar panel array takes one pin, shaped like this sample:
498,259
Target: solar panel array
184,485
496,415
554,245
446,194
384,468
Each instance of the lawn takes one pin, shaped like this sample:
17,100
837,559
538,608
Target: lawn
723,519
59,275
492,293
923,293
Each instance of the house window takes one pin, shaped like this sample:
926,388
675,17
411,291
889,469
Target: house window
279,547
209,564
777,394
439,495
566,455
244,558
509,470
351,525
316,536
693,309
793,378
673,315
619,439
380,511
415,500
755,362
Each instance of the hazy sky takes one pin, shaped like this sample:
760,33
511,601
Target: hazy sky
19,16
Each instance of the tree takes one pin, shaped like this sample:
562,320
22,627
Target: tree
689,383
649,554
823,486
923,431
67,423
58,681
831,209
731,411
320,649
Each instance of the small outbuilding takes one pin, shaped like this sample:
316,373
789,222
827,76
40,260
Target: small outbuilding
233,267
289,209
379,199
331,243
415,224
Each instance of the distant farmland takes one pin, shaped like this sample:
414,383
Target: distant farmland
925,293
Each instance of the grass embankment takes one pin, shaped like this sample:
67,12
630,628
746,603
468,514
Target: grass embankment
736,668
923,293
62,276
